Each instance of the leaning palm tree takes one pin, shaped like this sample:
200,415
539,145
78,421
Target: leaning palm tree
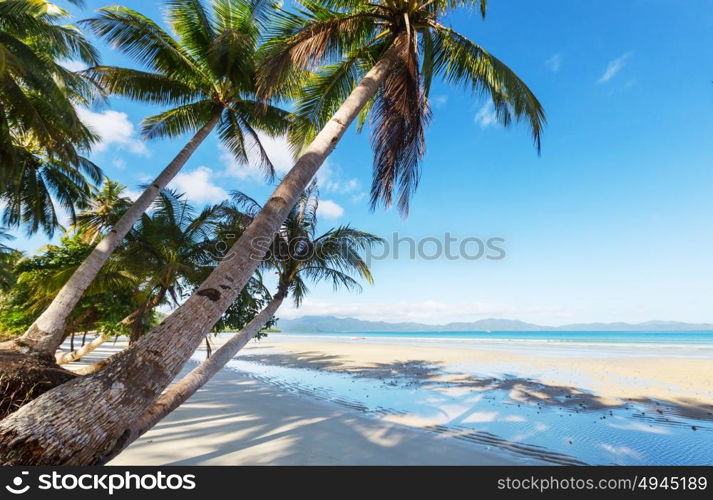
298,255
207,78
398,47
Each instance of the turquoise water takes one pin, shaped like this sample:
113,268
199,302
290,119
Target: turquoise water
697,338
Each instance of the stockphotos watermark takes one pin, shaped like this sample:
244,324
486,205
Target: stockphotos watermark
396,247
102,482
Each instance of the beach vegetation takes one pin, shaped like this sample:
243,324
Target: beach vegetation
203,72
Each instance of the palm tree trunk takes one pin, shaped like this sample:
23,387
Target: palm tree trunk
45,335
179,392
46,431
69,357
208,347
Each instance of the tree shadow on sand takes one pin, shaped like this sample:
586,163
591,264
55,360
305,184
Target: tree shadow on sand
280,429
520,390
406,372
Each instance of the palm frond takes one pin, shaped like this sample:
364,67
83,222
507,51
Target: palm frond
400,114
142,85
245,204
145,41
462,62
180,120
191,22
304,40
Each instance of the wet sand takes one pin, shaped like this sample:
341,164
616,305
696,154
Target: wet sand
562,402
681,382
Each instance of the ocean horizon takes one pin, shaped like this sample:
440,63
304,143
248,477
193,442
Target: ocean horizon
598,337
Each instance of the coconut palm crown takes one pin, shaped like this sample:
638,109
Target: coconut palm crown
37,93
103,210
299,255
207,70
42,139
343,39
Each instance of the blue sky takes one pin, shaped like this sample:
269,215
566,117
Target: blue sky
610,223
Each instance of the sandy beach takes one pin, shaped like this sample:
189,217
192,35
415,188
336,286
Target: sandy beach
301,399
236,420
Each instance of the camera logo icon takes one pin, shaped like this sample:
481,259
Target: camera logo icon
16,488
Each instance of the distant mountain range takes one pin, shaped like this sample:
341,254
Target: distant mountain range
350,325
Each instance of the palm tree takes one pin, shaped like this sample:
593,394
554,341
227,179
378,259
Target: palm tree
298,256
37,93
170,248
207,78
398,47
40,277
166,250
170,251
41,136
104,209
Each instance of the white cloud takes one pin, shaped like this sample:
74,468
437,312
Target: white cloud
428,311
329,209
485,117
277,149
439,101
554,62
113,128
330,180
614,67
198,186
132,194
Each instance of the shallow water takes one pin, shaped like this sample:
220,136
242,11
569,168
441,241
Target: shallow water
633,433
